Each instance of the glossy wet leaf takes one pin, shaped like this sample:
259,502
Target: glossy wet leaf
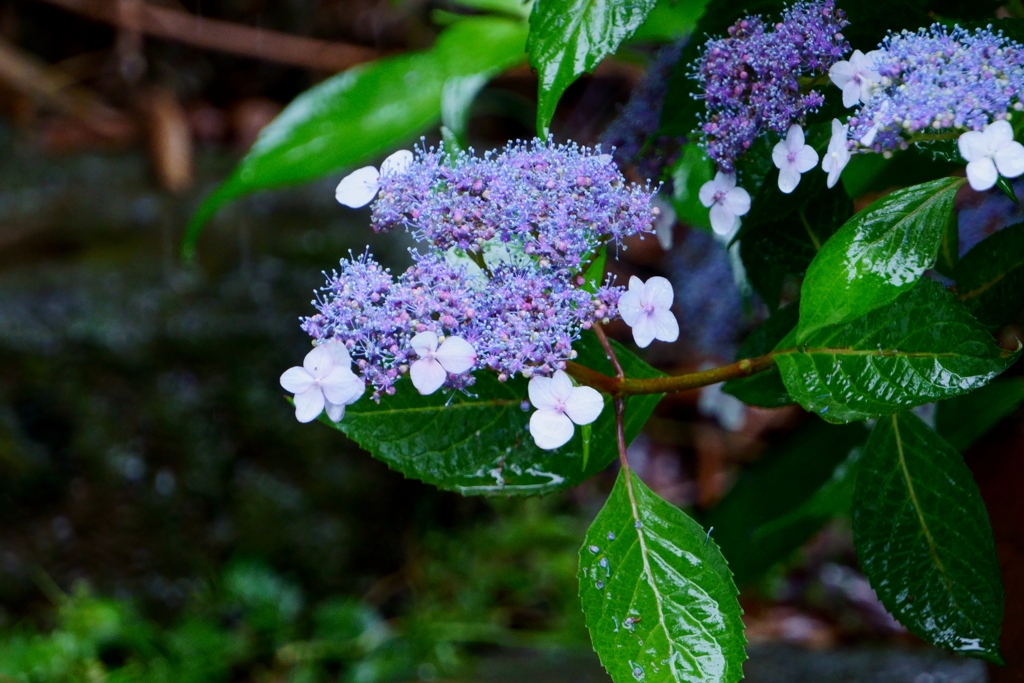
571,37
659,601
369,109
877,255
480,445
922,347
764,389
775,505
990,277
924,541
963,420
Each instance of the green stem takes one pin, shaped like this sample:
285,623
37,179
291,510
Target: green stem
625,386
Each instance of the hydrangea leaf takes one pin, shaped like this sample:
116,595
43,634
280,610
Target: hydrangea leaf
990,277
876,256
658,596
924,541
922,347
570,37
691,172
776,504
764,389
964,419
478,444
364,111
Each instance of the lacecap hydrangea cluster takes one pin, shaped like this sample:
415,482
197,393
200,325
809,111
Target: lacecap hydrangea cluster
506,239
937,80
751,79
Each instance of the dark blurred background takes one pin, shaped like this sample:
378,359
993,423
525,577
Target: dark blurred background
162,514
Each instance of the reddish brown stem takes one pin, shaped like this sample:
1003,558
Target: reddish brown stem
608,351
622,386
620,432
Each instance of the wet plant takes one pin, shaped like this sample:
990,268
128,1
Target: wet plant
485,367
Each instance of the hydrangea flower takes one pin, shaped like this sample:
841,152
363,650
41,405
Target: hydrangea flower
727,202
454,355
991,153
938,81
359,187
793,157
325,380
857,78
838,153
506,238
560,406
750,80
646,308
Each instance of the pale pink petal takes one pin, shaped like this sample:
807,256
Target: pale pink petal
456,355
584,405
982,174
999,133
789,178
666,327
851,94
358,188
561,386
841,73
644,331
427,375
780,155
706,194
319,362
795,138
737,200
1010,160
296,380
550,429
424,343
309,404
541,397
725,181
340,353
973,145
636,285
629,307
868,138
806,159
658,292
396,163
335,411
723,221
342,386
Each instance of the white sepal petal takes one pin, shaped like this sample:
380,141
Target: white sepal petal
342,386
982,174
296,380
550,429
427,375
456,355
658,292
319,362
584,405
358,188
396,163
541,396
1010,160
666,327
424,343
309,404
561,386
335,411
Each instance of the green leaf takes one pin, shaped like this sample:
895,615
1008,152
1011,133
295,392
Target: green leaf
670,20
774,506
457,97
479,444
877,255
764,389
990,277
963,420
921,348
594,274
658,596
924,541
691,171
365,111
949,250
570,37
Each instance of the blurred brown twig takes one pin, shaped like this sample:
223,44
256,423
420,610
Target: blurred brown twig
225,36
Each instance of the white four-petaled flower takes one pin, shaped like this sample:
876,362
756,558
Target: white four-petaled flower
727,202
359,187
857,77
325,380
991,153
792,157
838,153
646,308
428,373
559,404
